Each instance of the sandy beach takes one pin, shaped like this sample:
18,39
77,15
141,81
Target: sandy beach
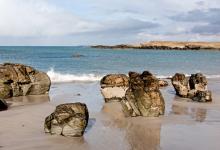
185,125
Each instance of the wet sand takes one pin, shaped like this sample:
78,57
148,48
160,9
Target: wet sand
185,125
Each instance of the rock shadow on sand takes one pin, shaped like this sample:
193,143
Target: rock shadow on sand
91,123
197,114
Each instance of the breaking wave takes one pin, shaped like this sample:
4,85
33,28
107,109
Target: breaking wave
56,77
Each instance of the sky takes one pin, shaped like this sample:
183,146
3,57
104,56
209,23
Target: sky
91,22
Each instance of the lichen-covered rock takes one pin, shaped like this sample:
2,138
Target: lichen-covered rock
194,87
68,119
21,80
143,98
114,86
3,105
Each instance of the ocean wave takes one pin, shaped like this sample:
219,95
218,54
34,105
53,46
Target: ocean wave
57,77
212,76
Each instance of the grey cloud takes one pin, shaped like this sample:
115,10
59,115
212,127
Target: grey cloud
209,18
206,29
131,25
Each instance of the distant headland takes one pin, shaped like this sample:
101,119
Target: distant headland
166,45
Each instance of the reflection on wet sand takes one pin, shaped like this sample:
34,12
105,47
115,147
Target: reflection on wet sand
199,114
141,133
30,99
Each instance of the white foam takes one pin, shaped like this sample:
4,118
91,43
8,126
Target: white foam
188,75
212,76
56,77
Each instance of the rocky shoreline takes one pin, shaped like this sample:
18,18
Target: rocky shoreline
165,45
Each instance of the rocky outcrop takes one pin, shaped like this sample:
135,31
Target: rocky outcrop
194,87
68,119
166,45
21,80
143,98
3,105
114,86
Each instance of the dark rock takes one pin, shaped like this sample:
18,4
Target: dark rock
143,98
3,105
77,55
68,120
114,86
21,80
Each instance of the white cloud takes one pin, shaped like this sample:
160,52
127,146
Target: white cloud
39,18
42,22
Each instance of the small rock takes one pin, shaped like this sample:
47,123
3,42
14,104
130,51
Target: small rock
68,119
163,83
3,105
77,55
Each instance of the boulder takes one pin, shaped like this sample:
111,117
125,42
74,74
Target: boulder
21,80
68,119
181,84
114,86
143,97
3,105
194,87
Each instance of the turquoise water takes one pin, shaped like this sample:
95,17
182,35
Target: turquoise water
94,63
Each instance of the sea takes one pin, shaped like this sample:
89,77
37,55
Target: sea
83,63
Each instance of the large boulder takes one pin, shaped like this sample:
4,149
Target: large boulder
21,80
3,105
114,86
194,87
143,97
68,119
